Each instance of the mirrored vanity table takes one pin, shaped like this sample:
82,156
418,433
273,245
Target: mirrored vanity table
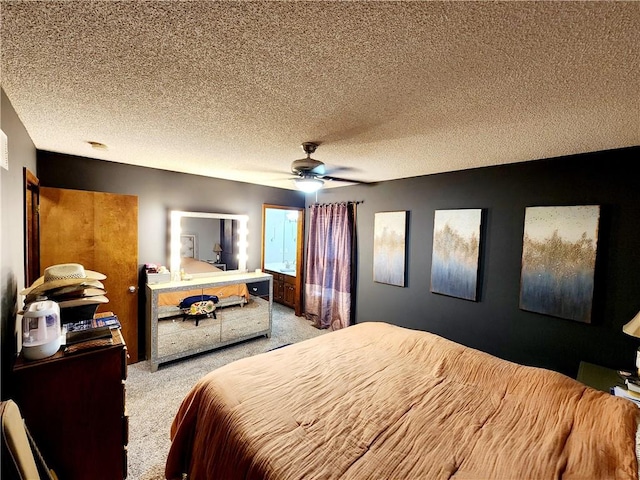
242,309
177,336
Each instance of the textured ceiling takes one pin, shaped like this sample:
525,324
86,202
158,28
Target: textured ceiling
389,89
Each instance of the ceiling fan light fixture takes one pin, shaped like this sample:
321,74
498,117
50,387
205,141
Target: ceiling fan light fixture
309,184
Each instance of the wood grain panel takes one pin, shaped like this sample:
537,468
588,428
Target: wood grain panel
100,231
66,227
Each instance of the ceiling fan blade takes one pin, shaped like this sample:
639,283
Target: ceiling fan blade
345,180
319,170
332,170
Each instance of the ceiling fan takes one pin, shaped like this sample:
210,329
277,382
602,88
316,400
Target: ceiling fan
311,173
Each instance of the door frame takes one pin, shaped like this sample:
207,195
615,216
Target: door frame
299,283
31,227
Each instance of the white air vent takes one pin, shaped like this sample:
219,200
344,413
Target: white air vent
4,151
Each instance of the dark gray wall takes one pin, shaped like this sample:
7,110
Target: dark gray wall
495,323
22,154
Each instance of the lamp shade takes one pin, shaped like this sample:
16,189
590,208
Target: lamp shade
309,184
217,248
633,327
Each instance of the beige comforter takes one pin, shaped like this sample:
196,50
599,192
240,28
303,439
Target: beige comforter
375,401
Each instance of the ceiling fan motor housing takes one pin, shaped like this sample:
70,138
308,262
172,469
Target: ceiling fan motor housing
306,166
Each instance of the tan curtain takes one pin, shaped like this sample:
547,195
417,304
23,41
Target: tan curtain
328,281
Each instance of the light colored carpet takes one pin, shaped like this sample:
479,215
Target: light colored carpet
153,398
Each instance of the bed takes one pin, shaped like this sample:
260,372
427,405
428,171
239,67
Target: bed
228,295
377,401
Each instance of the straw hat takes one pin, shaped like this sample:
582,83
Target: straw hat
89,288
71,302
60,295
62,275
81,301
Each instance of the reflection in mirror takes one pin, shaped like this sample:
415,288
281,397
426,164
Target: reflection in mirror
282,252
182,339
206,244
281,240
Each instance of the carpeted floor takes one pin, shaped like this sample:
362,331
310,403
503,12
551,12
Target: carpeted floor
153,398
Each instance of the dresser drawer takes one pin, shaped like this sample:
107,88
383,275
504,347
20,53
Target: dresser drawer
259,289
125,430
125,462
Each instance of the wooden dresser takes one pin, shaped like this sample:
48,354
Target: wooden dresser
74,407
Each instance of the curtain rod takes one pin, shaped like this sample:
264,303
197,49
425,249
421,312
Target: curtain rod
356,202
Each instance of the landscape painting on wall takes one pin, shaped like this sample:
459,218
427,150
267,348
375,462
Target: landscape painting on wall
456,251
558,261
389,232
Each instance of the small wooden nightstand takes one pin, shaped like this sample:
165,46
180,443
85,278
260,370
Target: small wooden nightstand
221,266
598,377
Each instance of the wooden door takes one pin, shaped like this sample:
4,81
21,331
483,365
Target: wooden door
99,231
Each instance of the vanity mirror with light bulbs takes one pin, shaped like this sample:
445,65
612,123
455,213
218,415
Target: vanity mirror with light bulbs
216,239
282,252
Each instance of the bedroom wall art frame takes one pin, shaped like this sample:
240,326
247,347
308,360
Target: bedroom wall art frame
456,252
188,246
558,261
389,247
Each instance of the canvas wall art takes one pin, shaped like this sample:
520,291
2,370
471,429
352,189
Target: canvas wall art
558,261
389,239
188,246
456,252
